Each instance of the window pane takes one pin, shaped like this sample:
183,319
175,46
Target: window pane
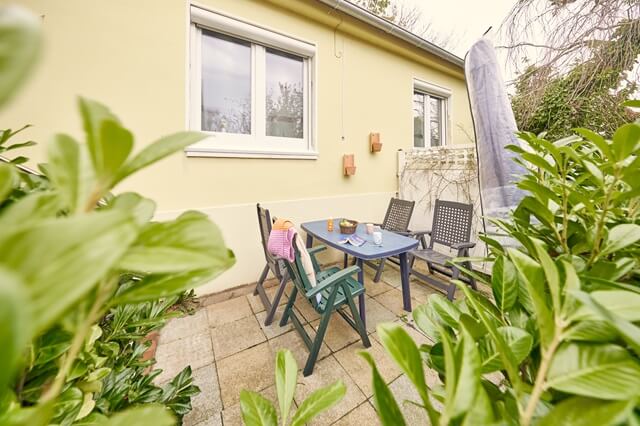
285,95
435,110
418,120
226,84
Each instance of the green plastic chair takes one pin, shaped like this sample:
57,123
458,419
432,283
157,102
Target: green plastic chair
337,289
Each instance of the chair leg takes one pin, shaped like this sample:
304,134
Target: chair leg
346,260
276,299
472,281
289,307
379,271
317,342
263,276
362,330
451,290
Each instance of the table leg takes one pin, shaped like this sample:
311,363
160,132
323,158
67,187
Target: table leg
309,240
362,296
406,290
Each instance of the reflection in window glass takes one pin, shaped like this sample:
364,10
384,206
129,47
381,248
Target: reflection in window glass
285,95
226,84
418,120
435,117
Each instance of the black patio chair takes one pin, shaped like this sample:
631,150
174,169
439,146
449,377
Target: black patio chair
395,220
451,228
273,264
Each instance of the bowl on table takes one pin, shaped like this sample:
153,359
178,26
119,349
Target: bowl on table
348,226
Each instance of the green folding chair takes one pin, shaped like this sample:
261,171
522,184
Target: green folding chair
336,288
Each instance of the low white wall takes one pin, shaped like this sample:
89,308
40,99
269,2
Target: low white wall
239,225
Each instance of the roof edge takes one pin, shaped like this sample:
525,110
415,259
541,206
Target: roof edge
388,27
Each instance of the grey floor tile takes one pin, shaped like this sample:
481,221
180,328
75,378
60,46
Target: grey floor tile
188,325
251,369
207,404
228,311
172,357
236,336
327,372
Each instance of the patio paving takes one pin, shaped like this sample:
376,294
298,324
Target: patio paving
230,349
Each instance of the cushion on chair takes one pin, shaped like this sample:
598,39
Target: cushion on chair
432,256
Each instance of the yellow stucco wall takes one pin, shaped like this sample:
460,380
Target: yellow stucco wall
131,55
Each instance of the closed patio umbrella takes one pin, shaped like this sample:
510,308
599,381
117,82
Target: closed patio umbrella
495,127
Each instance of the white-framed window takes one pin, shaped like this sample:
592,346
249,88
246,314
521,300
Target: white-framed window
430,115
251,90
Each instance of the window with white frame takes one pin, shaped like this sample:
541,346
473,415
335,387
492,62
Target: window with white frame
250,89
430,115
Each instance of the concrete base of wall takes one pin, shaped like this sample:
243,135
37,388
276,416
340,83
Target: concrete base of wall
239,225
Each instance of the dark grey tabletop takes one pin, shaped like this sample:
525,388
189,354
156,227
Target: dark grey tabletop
392,243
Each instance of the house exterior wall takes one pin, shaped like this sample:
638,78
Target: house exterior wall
133,56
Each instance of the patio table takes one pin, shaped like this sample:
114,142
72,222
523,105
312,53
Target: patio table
392,245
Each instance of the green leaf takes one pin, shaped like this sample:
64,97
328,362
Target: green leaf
581,411
629,332
60,260
67,405
286,374
468,377
94,114
142,209
446,310
7,180
387,408
551,273
317,402
594,171
157,151
148,414
152,287
405,353
191,242
532,275
621,236
508,358
626,140
519,341
257,410
632,103
93,419
20,43
14,325
28,210
116,143
625,304
504,283
597,140
597,371
69,171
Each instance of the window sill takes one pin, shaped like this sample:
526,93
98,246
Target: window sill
221,153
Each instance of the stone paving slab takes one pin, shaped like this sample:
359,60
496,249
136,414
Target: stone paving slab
230,349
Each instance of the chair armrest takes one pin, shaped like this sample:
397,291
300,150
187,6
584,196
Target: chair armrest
316,249
466,245
419,233
332,280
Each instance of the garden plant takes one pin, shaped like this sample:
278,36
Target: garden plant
85,275
559,341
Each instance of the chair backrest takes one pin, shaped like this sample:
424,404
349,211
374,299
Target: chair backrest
299,275
264,223
398,215
451,223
